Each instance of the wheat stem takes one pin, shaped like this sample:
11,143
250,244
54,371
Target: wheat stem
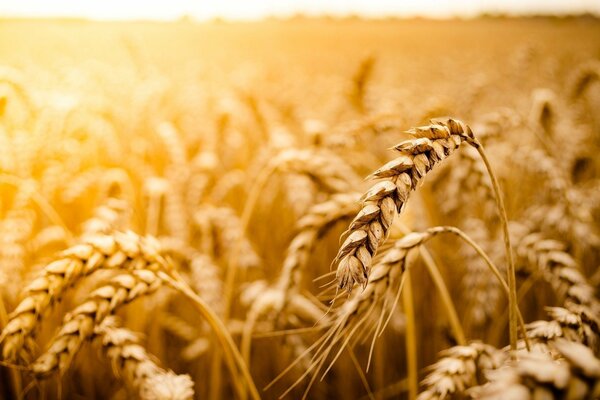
512,282
411,338
221,332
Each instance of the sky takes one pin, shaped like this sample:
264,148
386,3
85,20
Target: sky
255,9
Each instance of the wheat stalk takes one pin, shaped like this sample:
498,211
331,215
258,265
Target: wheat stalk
480,289
467,179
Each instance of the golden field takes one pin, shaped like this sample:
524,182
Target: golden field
184,211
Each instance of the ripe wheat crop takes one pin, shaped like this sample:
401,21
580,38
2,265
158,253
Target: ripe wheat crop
402,209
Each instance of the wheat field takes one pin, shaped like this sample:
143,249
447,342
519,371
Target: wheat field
308,208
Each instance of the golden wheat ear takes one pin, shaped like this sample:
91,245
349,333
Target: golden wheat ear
386,199
137,368
116,251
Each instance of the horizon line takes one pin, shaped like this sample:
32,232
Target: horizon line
190,17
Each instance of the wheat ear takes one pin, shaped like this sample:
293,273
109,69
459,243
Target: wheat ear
459,369
311,227
119,251
573,374
384,201
137,368
78,326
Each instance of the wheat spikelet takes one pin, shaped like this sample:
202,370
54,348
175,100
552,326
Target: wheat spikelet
573,374
78,326
175,214
51,178
270,302
178,175
227,235
264,300
300,192
569,218
137,368
391,266
107,217
310,228
557,267
466,177
120,250
205,279
284,295
360,81
175,148
464,367
386,199
13,78
226,184
574,322
203,273
583,77
178,327
197,345
117,183
201,178
80,184
460,368
565,213
50,236
16,230
328,170
543,113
